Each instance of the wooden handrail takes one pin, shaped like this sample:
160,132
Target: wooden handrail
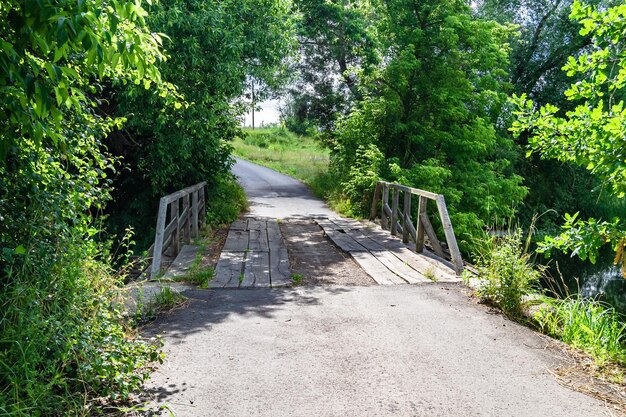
391,219
186,220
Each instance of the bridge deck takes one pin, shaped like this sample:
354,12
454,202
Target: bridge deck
254,255
384,257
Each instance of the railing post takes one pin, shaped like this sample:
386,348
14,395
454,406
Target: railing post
419,239
186,222
394,211
383,214
375,201
202,198
176,233
194,214
158,239
455,253
406,216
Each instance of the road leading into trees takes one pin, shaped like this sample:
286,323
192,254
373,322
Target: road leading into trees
350,350
272,194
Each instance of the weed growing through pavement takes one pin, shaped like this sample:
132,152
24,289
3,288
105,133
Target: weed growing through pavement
297,279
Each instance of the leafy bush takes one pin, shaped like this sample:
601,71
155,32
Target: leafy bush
586,324
63,335
505,272
225,200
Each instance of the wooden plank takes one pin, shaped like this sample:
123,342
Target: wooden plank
274,236
258,241
254,224
375,269
228,269
202,203
280,274
385,239
414,191
406,217
401,269
237,241
158,239
375,200
364,240
419,233
176,231
344,241
256,271
455,253
425,265
186,217
385,205
180,193
194,215
432,236
394,211
183,262
239,224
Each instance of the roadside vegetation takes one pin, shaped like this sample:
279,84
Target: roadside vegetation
107,106
507,278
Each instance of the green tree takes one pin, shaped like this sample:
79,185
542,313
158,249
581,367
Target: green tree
547,38
336,45
214,49
430,110
62,338
592,135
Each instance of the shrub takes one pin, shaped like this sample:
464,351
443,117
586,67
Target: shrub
225,200
506,273
586,324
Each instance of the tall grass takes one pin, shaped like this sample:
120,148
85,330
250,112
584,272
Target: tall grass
506,273
586,324
508,278
66,346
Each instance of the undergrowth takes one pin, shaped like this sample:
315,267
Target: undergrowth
224,201
508,279
67,348
586,324
506,274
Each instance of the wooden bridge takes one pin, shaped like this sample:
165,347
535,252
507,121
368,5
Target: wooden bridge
255,254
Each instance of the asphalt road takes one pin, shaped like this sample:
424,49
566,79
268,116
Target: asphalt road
425,350
355,351
275,195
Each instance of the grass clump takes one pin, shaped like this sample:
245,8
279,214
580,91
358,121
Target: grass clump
506,274
586,324
67,347
296,279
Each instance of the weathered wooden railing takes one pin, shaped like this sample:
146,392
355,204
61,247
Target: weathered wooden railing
182,223
400,222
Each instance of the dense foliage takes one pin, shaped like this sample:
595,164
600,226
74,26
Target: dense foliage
61,334
72,74
214,48
593,134
426,119
547,37
337,45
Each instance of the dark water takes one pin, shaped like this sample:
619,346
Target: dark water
602,281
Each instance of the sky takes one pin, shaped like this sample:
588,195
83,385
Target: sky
267,115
